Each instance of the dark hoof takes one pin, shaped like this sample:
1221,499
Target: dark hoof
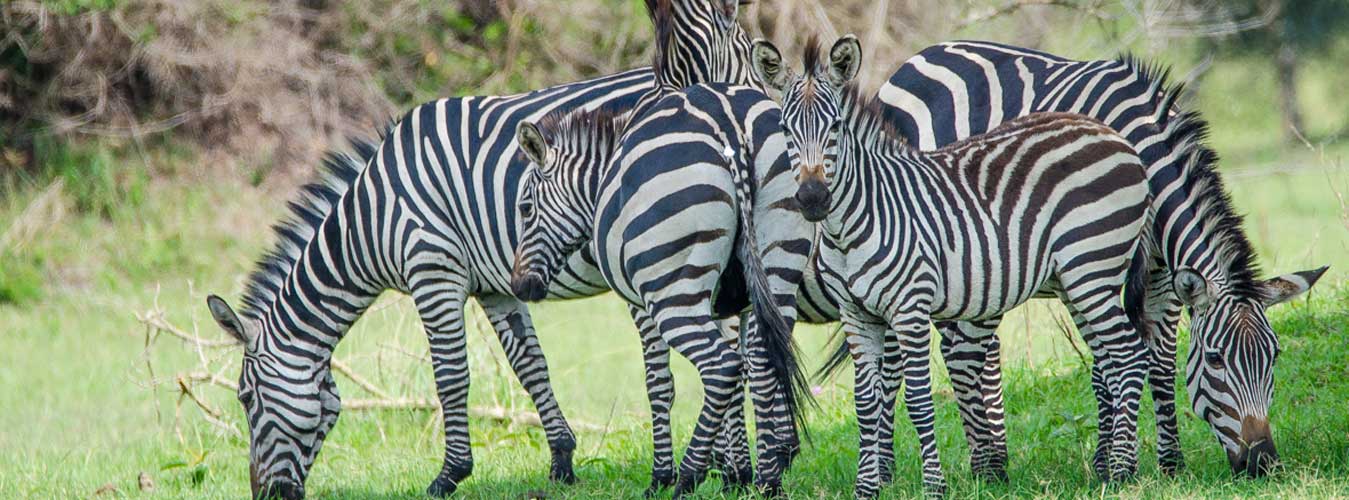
1171,467
658,484
442,487
687,484
770,490
991,475
735,480
562,471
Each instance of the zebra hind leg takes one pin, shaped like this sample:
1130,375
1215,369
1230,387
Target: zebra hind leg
719,367
730,455
1119,374
440,296
971,353
510,318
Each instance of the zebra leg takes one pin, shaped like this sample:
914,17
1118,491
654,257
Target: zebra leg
731,452
440,294
1163,316
510,318
719,367
914,338
972,359
660,392
892,379
1105,403
865,336
1114,340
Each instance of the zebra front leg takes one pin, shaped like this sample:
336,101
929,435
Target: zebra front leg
510,318
660,393
972,360
1163,315
915,341
865,336
440,297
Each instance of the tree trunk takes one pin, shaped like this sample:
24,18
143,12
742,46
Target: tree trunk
1286,65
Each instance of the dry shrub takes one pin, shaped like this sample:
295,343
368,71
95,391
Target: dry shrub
243,79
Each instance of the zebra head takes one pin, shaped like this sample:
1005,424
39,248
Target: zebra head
1230,372
557,195
289,408
812,113
699,41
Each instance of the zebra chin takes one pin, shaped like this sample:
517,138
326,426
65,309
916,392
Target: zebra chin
813,198
529,287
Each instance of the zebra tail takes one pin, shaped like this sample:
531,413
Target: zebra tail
772,326
838,358
1137,278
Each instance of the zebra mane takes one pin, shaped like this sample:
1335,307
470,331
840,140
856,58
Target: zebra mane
305,213
582,128
662,19
866,116
1187,132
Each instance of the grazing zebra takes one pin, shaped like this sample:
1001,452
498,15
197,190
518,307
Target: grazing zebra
670,210
431,212
952,91
1049,203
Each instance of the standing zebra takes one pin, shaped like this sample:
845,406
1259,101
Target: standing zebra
952,91
429,212
670,210
1050,203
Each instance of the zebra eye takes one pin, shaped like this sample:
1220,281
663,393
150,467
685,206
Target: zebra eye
526,209
1214,360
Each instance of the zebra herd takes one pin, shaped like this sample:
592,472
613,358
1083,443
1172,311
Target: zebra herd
980,176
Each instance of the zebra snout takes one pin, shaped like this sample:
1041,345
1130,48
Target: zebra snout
1258,456
813,197
528,287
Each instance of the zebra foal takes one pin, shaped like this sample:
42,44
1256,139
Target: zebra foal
687,221
1050,203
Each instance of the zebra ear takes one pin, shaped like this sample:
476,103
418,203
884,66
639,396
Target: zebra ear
1280,289
228,321
532,142
1193,289
767,64
845,59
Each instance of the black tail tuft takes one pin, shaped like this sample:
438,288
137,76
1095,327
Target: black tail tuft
772,327
838,344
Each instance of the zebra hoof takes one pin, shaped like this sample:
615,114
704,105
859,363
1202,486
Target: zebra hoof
441,488
733,480
562,471
770,489
658,484
687,484
1171,466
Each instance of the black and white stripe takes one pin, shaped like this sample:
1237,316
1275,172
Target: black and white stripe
952,91
1050,203
688,224
430,212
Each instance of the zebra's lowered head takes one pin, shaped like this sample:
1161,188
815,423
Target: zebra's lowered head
1230,373
289,409
812,115
567,153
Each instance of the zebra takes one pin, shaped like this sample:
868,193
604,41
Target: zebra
1048,203
429,211
1205,262
673,230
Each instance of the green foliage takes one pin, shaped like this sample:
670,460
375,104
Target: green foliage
96,181
1310,25
72,7
21,277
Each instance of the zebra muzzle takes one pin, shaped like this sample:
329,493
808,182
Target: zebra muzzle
812,195
529,287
